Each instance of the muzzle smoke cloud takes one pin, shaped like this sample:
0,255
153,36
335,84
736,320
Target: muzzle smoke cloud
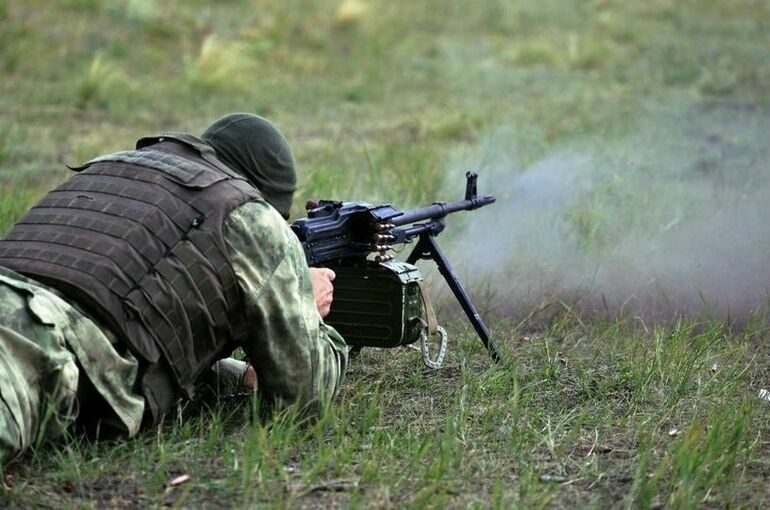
671,218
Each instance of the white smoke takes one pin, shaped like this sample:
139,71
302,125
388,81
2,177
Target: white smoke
672,217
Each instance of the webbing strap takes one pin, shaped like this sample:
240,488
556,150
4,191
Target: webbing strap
430,313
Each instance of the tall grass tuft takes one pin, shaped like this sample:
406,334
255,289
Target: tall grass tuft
101,83
221,65
350,13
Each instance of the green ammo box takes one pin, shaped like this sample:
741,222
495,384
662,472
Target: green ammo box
377,305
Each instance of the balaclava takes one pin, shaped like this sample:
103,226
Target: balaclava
255,148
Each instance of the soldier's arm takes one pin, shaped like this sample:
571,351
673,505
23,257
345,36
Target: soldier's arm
297,358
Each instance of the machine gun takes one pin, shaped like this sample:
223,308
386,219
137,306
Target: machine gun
379,302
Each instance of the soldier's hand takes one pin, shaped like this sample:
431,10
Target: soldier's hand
323,289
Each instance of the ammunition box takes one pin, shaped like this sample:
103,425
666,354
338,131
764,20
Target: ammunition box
377,305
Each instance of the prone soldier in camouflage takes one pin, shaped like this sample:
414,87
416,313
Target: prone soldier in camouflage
133,281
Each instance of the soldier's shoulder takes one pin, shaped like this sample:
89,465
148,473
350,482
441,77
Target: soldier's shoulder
257,226
258,215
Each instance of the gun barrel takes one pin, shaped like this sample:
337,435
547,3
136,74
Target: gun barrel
439,210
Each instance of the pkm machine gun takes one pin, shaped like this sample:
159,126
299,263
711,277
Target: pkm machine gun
379,302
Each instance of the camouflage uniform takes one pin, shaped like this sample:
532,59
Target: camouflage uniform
48,347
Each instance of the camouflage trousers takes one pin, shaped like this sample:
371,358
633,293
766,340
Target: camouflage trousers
38,376
47,348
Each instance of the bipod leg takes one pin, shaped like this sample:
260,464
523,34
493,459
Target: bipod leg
427,248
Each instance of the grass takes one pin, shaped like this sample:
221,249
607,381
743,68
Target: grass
394,101
587,415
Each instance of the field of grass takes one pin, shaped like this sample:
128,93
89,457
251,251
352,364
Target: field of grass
380,100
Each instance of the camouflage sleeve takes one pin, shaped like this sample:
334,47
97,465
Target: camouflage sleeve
297,357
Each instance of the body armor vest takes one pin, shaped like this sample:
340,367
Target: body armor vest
136,239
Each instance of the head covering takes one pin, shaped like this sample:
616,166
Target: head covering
255,148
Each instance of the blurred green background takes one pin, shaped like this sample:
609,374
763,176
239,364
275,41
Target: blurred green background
373,95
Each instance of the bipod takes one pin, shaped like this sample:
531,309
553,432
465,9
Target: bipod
427,248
